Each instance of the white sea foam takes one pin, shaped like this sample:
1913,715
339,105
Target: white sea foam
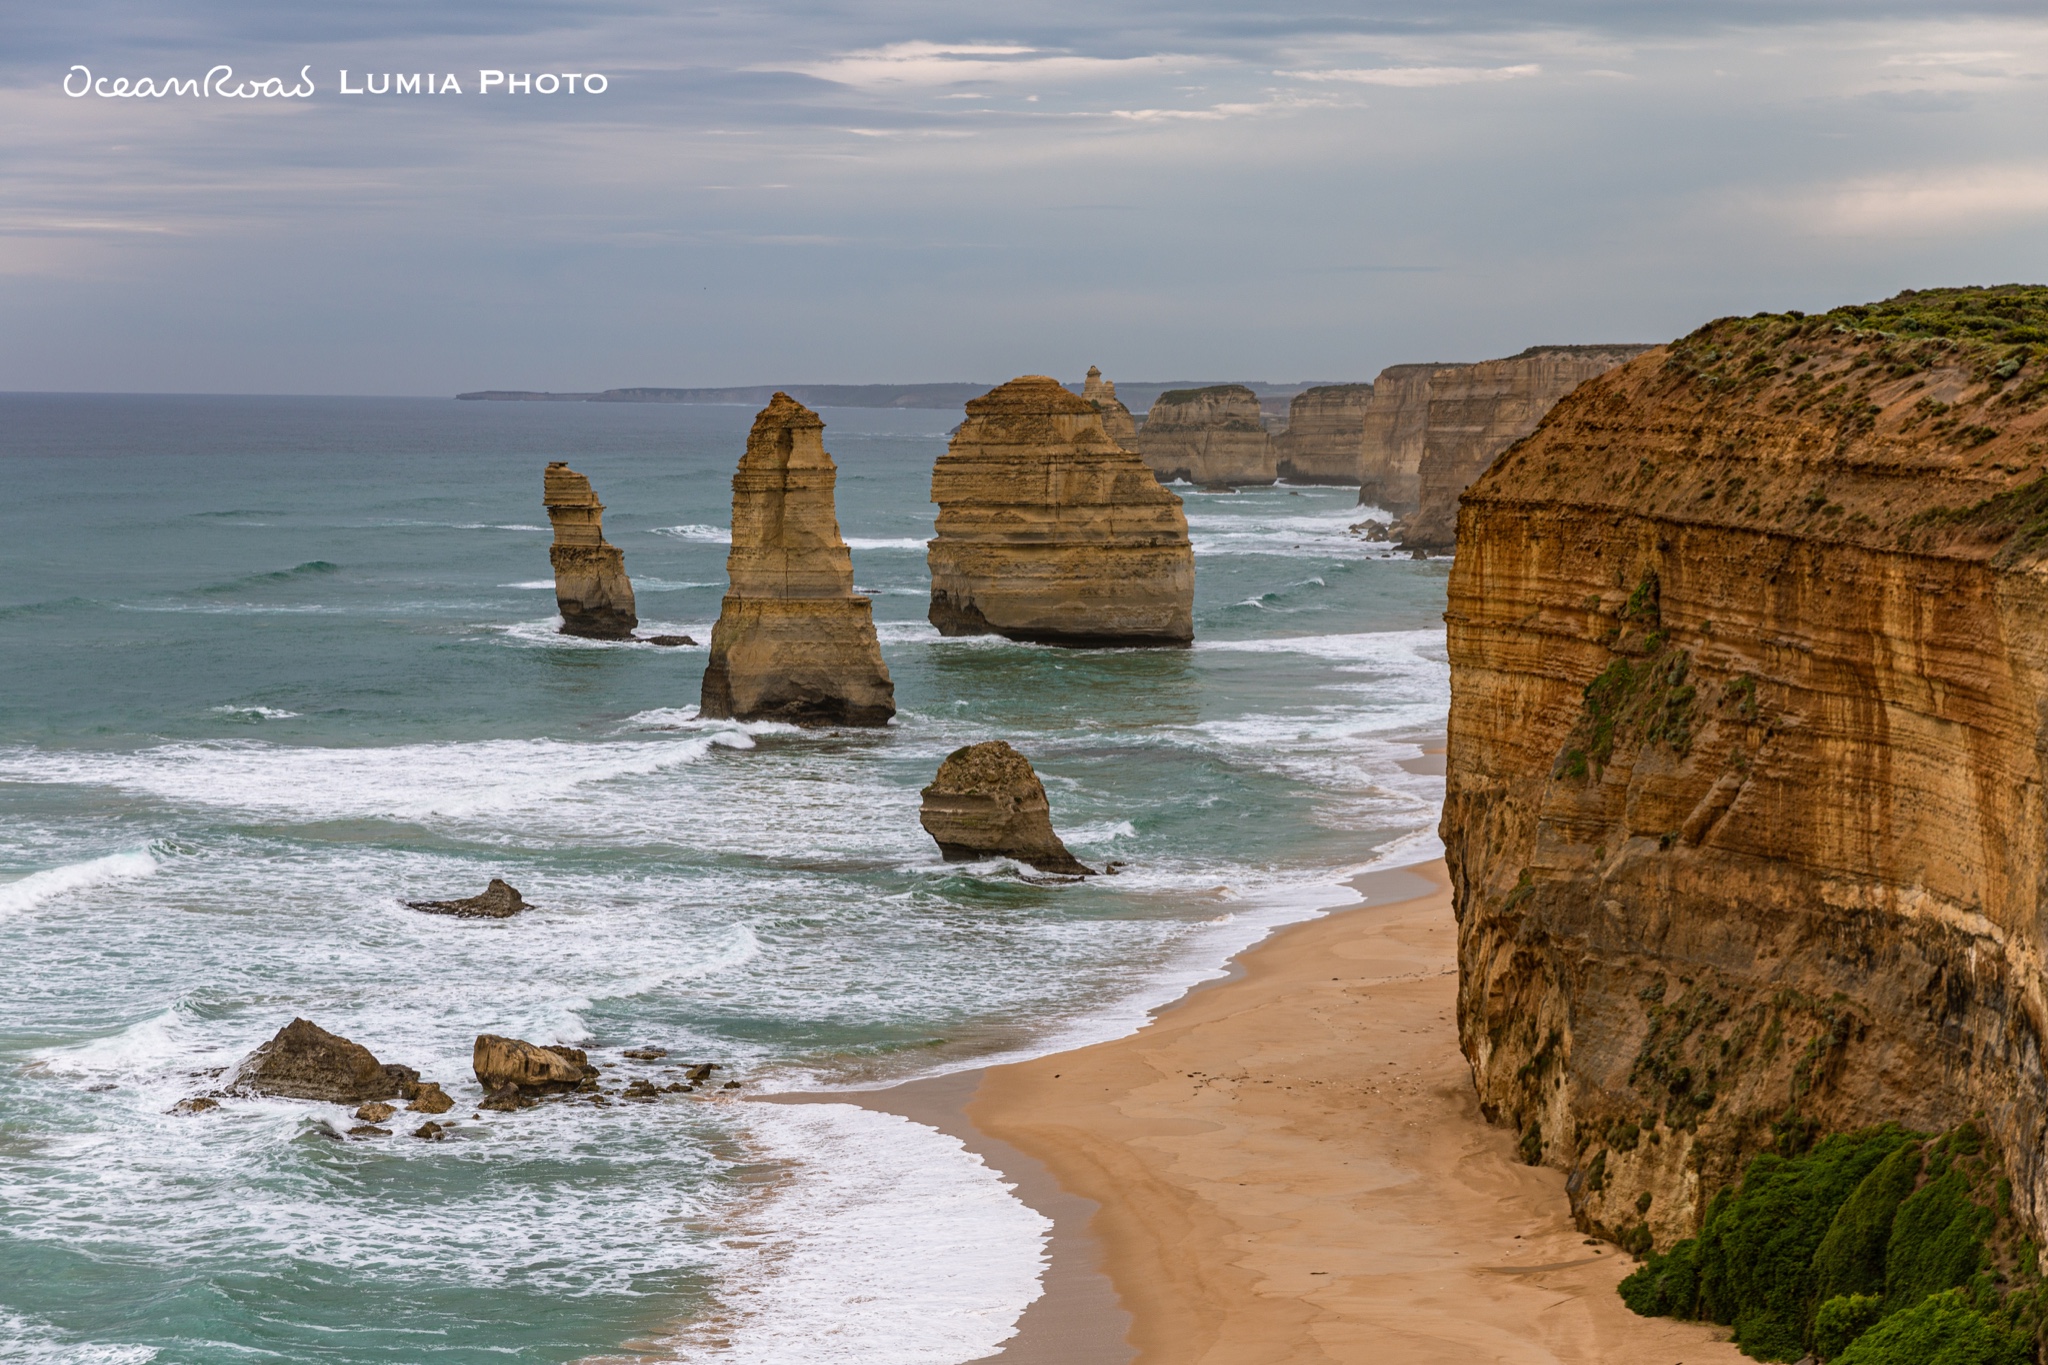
871,543
25,1342
889,1243
260,712
709,535
37,887
532,585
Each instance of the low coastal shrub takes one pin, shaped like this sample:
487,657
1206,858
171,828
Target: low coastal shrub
1877,1247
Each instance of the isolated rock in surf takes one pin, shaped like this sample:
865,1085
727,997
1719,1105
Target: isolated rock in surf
500,900
1212,437
500,1062
1050,531
1325,435
987,803
591,588
306,1062
1117,422
793,642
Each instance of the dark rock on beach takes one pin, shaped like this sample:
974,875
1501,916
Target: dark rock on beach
500,900
986,802
306,1062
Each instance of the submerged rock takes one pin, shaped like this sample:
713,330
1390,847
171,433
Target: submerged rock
1212,437
793,642
591,588
500,900
431,1131
376,1111
1050,531
500,1062
985,803
306,1062
669,641
198,1104
368,1130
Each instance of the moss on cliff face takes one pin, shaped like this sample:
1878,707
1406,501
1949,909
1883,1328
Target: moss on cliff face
1869,1248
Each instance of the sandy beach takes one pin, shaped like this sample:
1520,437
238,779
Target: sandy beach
1288,1165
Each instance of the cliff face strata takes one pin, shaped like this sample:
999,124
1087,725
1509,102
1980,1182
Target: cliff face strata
1050,531
1211,437
591,588
1117,422
1325,434
792,641
1476,412
1744,809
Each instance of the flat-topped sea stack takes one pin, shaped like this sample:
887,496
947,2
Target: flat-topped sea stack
1325,434
1116,418
986,802
1212,437
1050,531
792,641
591,588
1476,412
1747,799
1392,433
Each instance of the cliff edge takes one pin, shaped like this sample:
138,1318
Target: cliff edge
1745,802
1212,437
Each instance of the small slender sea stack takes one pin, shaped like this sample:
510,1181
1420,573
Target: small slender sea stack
792,642
987,803
591,588
1050,531
1116,418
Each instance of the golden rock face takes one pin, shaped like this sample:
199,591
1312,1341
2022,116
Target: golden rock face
1392,433
1211,437
1744,807
591,588
986,802
1050,531
792,641
1117,422
1325,435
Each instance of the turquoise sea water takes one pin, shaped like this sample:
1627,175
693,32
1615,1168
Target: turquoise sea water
269,667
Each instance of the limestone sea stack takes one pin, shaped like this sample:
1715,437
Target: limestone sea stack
591,588
1748,748
792,641
1050,531
1392,432
1212,437
306,1062
986,802
1117,421
1325,435
1476,412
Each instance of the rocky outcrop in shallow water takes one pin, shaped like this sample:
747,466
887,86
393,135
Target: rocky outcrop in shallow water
1212,437
793,642
501,1062
986,802
1325,435
1117,422
1476,412
591,588
1050,531
306,1062
500,900
1748,749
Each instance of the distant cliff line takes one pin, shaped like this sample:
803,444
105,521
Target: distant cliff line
938,396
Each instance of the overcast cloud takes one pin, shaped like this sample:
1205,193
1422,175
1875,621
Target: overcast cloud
899,192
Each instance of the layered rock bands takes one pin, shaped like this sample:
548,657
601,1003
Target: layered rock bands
591,588
1117,422
1747,804
793,642
1325,435
1392,433
1048,530
986,802
1212,437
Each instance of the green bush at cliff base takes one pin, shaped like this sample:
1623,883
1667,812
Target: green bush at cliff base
1817,1252
1942,1330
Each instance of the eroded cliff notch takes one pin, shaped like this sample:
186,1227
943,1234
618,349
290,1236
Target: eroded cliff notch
793,642
1212,437
1050,531
1744,808
591,588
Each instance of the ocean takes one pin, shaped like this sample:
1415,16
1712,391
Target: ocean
270,667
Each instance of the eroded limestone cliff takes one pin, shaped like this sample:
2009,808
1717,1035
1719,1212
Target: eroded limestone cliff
1211,437
591,588
792,641
1323,442
1048,530
1476,412
1391,437
1745,802
1117,421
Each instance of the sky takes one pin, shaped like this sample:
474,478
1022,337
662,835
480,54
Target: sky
817,191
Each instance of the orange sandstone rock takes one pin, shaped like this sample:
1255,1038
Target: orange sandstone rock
1050,531
1117,421
591,588
792,641
986,802
1211,437
1324,439
1392,433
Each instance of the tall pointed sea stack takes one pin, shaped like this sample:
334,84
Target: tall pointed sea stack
792,642
1050,531
591,588
1116,418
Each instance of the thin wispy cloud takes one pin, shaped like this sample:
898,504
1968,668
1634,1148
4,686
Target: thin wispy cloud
931,64
1966,200
1418,77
